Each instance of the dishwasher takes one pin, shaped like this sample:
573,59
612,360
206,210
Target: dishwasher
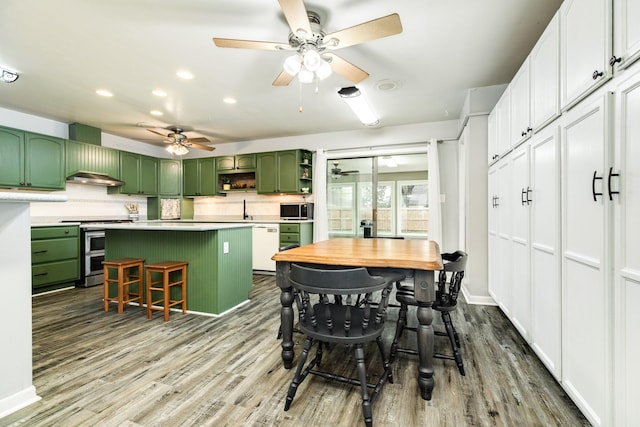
266,240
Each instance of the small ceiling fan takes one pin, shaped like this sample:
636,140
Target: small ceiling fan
314,45
180,142
336,172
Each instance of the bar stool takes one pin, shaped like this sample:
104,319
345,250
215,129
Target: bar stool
164,285
125,278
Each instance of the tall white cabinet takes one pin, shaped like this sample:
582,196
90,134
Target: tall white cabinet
626,281
586,288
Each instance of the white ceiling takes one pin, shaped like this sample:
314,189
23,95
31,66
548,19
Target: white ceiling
66,49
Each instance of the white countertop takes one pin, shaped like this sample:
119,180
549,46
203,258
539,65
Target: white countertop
28,196
166,226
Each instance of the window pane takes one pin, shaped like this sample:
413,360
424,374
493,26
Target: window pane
413,207
385,205
340,206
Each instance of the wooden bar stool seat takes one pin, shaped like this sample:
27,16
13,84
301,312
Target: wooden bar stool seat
164,285
129,272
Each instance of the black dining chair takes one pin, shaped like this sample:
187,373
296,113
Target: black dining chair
447,290
336,306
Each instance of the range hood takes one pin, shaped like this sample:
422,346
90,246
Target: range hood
94,179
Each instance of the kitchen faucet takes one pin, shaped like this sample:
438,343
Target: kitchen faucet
244,210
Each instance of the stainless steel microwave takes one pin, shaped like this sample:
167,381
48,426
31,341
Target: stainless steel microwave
296,210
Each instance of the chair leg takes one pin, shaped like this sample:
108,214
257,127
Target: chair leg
362,375
385,361
446,319
298,378
400,324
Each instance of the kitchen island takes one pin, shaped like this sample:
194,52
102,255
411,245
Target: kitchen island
219,275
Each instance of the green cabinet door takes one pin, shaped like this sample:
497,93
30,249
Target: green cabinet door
148,176
236,163
266,173
169,177
129,165
44,161
225,163
11,157
288,171
199,177
245,161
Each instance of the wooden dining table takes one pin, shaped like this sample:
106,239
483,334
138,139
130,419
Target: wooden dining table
421,256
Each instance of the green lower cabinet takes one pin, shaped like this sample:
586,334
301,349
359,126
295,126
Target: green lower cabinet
300,233
55,257
32,161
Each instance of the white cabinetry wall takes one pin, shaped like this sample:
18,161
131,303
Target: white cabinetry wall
564,246
626,279
520,128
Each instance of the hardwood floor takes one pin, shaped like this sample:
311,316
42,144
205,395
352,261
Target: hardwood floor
93,368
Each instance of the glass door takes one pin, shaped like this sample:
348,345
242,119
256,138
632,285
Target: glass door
397,208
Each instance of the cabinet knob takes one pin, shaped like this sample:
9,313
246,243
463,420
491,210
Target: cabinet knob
597,74
614,60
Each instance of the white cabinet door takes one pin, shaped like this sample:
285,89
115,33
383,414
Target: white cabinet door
585,46
586,297
503,128
546,293
504,261
627,252
520,128
627,32
492,136
545,76
520,203
492,219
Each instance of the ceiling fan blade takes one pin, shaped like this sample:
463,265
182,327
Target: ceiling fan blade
158,133
346,69
249,44
198,139
201,147
297,17
283,79
375,29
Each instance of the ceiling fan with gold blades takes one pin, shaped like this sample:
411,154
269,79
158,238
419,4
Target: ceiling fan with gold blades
314,58
180,142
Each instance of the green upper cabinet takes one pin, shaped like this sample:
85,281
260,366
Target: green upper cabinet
170,177
82,157
241,162
31,160
199,177
140,174
282,172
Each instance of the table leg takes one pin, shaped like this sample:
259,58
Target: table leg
286,313
425,295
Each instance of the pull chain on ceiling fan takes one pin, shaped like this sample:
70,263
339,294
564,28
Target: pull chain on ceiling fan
313,59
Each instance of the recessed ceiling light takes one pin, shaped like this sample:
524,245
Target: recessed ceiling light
229,100
156,112
159,92
104,92
184,74
386,85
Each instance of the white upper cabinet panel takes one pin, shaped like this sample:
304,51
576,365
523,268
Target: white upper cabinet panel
545,76
585,48
492,137
519,106
503,128
627,32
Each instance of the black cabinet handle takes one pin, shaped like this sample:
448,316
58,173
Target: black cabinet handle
41,252
611,175
523,192
614,60
597,74
529,199
495,201
40,274
593,186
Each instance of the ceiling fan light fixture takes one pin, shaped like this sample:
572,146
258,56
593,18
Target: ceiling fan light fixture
305,76
292,64
359,105
177,149
312,60
324,70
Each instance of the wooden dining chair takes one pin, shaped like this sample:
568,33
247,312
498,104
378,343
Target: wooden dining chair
336,307
447,290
